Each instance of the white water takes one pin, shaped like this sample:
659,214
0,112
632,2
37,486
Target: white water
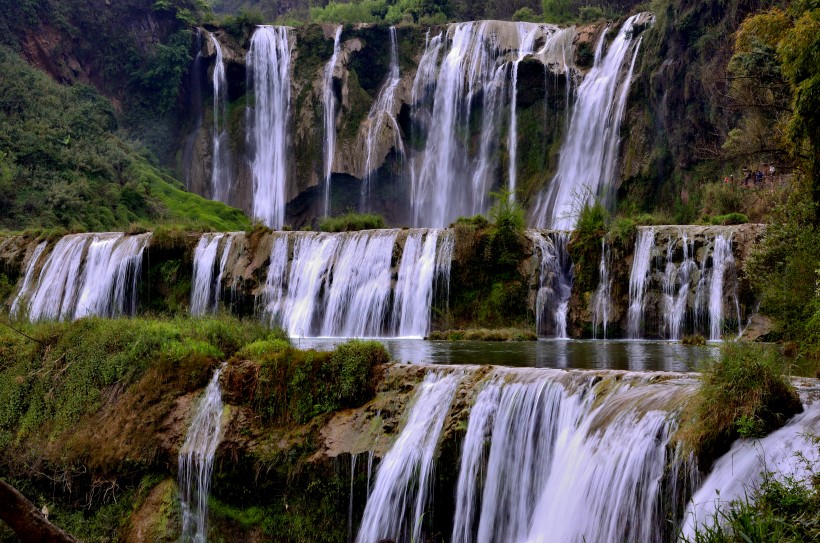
112,267
358,297
195,459
638,281
269,76
203,299
28,276
447,180
399,499
567,462
602,299
676,282
85,274
330,105
351,285
381,118
586,167
220,169
414,289
554,284
723,263
739,471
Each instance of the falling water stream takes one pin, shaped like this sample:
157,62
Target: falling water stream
196,459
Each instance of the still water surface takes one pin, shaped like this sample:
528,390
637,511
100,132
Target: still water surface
582,354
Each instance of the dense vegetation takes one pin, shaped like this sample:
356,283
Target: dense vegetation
744,393
61,164
82,404
351,222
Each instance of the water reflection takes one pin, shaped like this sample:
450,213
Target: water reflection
584,354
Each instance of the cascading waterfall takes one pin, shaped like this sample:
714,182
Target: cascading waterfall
781,453
220,168
112,267
85,274
196,459
554,284
586,166
381,118
638,281
330,105
27,278
602,299
268,63
414,289
472,74
399,499
202,286
357,300
675,286
723,262
342,285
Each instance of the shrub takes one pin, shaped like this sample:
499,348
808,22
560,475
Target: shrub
506,235
730,218
295,386
525,14
744,388
351,222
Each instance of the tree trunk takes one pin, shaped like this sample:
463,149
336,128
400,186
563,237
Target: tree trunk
26,520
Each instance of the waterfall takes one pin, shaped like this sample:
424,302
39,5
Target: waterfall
381,118
473,457
28,276
782,454
675,286
568,461
195,105
471,77
723,262
414,290
399,499
112,267
220,168
196,459
528,33
586,166
329,101
554,284
202,285
638,280
358,297
342,285
602,299
269,76
85,274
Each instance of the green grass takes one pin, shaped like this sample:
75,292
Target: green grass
743,393
351,222
780,510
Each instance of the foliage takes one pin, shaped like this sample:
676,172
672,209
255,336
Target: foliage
781,509
378,11
743,390
506,235
783,270
57,146
351,222
242,25
585,244
525,14
556,11
294,385
63,373
483,334
730,218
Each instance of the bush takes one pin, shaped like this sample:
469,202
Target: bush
351,222
743,389
295,386
506,235
729,218
525,14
